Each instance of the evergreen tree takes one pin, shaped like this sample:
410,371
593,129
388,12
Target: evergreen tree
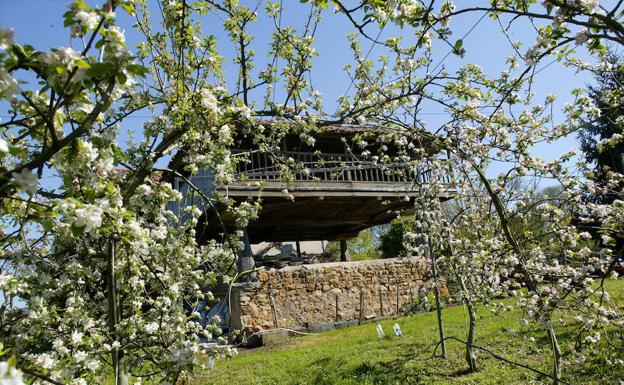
610,157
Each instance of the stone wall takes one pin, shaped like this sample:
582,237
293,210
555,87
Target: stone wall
320,296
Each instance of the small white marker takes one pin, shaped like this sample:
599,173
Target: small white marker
380,331
211,362
397,330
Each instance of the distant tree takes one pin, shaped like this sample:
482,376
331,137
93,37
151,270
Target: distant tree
362,247
601,137
606,128
391,241
552,192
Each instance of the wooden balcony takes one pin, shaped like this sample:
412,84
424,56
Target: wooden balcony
320,175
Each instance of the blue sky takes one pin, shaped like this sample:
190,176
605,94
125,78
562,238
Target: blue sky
40,23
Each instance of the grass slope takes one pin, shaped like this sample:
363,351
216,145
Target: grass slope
357,356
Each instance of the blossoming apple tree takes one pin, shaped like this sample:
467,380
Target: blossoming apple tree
558,261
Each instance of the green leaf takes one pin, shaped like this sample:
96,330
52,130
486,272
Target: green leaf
76,230
122,78
458,48
81,4
47,224
118,154
82,64
136,70
12,361
128,7
98,70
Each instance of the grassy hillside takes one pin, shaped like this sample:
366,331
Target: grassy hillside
357,356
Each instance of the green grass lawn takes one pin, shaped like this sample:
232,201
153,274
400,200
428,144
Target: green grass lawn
357,356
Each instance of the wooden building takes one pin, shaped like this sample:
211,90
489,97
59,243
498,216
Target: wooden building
330,192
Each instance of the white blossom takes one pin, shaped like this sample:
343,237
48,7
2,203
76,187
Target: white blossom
10,375
87,19
6,38
151,327
209,100
116,36
88,151
4,146
45,360
89,217
8,84
92,365
589,5
26,180
59,347
65,56
582,36
104,165
76,337
80,356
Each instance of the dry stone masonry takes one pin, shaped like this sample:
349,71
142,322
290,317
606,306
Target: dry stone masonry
321,296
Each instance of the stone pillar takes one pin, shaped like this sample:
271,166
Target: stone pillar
344,252
245,261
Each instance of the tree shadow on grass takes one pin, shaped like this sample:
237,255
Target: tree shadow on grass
388,372
385,372
329,371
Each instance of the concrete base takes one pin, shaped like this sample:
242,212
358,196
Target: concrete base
279,336
275,336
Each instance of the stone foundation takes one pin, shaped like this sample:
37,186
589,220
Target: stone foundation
321,296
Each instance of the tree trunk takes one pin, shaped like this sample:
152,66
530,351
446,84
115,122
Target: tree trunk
436,293
119,368
530,283
471,356
556,350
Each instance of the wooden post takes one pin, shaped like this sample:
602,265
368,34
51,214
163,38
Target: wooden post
380,302
361,305
398,305
336,318
298,249
245,261
343,251
273,311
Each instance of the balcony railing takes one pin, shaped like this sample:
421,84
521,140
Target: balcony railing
332,168
343,173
